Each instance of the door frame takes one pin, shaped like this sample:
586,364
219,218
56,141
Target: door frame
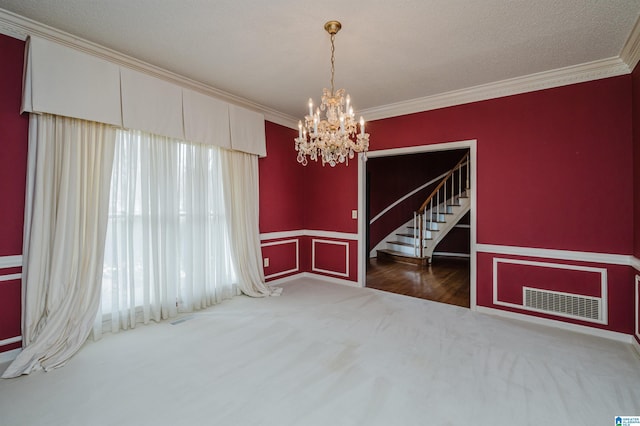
363,252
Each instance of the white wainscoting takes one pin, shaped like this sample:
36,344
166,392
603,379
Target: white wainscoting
321,237
7,262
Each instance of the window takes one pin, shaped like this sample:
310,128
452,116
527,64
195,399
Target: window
167,246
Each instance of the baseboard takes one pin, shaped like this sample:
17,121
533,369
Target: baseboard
315,276
9,356
285,279
607,334
330,279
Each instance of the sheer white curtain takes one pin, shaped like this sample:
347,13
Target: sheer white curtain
69,170
167,248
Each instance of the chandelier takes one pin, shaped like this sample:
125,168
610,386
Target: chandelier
335,137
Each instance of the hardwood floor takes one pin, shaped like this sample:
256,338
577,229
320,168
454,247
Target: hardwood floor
445,280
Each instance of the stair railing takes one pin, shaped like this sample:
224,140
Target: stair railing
454,181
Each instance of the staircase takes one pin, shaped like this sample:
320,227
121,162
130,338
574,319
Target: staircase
416,240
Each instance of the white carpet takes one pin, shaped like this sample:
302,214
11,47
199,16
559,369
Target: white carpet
325,354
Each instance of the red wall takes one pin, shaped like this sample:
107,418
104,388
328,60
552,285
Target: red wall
552,164
13,160
281,182
636,158
636,175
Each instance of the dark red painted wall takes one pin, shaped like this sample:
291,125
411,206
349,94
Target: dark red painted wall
13,161
13,146
331,193
636,159
547,163
281,182
636,174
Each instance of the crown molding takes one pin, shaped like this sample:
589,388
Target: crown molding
631,51
19,27
543,80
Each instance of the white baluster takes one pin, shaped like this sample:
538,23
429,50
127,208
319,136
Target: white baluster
453,178
444,191
415,228
430,212
468,165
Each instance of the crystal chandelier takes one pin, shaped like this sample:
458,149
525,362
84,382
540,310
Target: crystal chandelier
334,138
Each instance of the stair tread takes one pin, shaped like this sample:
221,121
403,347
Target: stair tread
411,235
400,243
399,254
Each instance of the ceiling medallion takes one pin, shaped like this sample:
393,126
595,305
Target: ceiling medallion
333,138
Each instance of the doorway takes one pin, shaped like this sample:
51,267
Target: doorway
447,279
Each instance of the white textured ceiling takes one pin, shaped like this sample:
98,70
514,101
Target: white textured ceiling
276,53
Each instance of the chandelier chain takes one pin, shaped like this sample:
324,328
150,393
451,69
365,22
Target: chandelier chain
333,59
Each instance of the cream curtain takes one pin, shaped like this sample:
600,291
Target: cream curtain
182,233
240,177
167,248
65,222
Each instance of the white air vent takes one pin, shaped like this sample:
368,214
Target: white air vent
564,304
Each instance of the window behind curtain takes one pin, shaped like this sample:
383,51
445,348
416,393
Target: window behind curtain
167,248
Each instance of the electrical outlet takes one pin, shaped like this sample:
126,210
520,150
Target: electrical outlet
266,262
354,214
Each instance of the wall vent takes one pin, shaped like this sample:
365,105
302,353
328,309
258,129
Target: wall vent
563,304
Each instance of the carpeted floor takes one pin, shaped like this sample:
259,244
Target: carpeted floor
325,354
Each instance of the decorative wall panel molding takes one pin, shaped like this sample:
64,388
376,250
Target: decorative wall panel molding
314,268
10,277
297,251
556,303
7,262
